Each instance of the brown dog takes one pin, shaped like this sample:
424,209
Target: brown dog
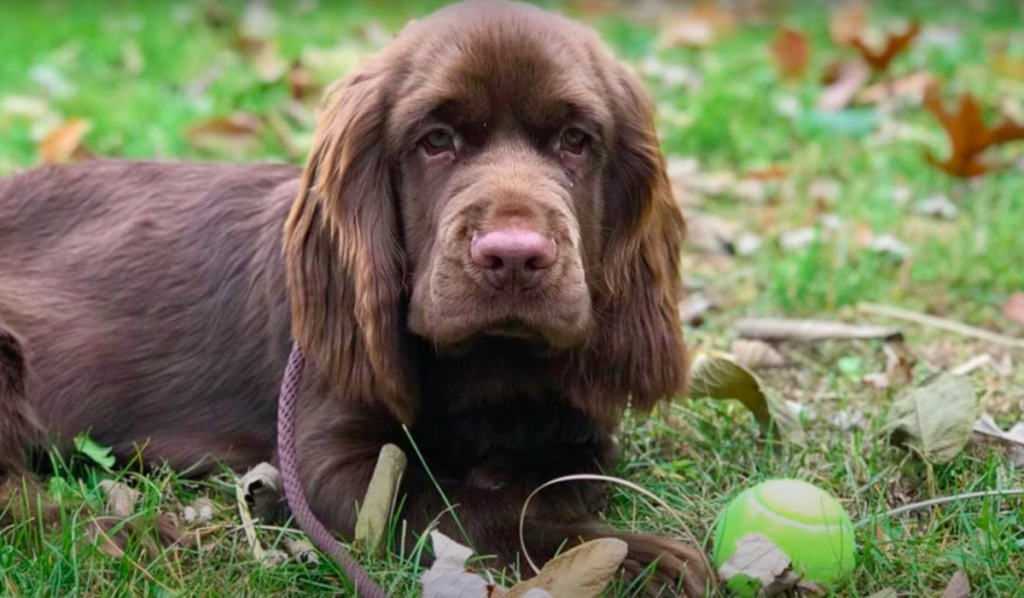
483,246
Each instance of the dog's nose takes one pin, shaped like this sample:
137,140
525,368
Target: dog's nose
513,258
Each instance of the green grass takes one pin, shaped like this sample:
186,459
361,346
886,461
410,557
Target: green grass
696,455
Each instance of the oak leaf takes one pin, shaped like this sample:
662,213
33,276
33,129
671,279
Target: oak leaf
969,136
895,44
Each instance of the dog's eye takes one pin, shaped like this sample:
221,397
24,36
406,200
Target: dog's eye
438,141
574,140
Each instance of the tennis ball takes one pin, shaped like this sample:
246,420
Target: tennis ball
804,521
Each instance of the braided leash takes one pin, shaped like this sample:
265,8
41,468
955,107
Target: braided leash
287,452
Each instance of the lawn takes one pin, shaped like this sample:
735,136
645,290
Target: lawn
794,213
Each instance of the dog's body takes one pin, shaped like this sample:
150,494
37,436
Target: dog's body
132,314
497,272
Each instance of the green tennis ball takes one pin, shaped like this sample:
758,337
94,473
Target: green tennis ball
804,521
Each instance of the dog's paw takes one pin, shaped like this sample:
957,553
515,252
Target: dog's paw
667,568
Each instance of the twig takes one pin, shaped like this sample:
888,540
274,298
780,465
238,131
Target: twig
936,322
975,363
778,329
941,501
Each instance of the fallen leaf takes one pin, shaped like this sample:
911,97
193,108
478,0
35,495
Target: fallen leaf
791,52
890,245
717,376
747,244
935,419
799,239
756,354
825,191
710,234
64,143
779,329
698,27
895,44
969,137
121,498
96,452
913,87
1013,309
987,430
761,566
693,308
959,586
236,134
449,577
300,82
847,22
582,572
201,511
885,593
379,501
937,206
268,63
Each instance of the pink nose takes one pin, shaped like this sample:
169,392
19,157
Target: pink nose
514,257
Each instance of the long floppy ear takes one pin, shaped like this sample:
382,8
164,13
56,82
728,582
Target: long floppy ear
343,251
636,353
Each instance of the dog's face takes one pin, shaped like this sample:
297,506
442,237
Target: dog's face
500,134
492,172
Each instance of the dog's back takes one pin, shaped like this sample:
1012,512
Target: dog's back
129,281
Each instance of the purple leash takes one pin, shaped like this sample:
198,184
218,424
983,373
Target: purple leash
287,453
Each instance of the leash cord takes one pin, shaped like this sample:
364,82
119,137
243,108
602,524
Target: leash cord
287,451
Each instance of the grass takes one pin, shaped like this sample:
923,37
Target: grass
697,455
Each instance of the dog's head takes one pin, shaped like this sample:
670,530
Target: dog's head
492,172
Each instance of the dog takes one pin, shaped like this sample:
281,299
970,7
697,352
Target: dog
482,248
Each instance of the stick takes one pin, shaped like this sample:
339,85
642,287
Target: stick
944,324
778,329
944,500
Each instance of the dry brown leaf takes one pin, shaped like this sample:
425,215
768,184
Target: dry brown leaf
913,87
847,22
879,59
756,354
987,430
959,586
583,572
1013,309
936,420
698,27
791,52
121,498
65,143
449,577
969,136
268,63
300,82
763,567
842,85
236,134
718,376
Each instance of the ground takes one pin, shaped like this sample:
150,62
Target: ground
142,74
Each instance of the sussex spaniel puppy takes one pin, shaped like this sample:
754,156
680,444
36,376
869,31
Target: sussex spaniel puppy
482,247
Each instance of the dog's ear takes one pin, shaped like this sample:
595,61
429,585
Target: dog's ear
343,251
636,352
